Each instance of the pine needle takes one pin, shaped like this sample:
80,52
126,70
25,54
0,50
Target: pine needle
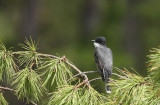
27,84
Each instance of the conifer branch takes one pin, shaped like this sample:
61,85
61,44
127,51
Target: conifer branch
128,88
7,88
83,74
70,64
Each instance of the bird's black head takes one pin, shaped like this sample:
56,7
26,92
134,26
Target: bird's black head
100,40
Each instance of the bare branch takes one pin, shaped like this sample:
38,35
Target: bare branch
47,55
95,79
5,88
33,102
19,52
79,85
73,77
88,72
32,64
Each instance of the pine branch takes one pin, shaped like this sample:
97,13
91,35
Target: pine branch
9,89
128,88
61,59
70,64
83,74
6,88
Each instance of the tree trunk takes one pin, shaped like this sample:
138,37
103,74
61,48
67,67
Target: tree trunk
90,20
29,18
133,39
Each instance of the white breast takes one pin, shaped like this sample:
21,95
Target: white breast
97,44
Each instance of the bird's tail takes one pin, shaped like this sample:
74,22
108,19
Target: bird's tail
107,87
108,90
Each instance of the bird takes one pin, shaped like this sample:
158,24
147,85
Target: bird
104,60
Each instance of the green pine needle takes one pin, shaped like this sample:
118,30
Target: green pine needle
127,89
27,57
154,65
81,96
55,73
131,90
29,45
27,84
2,100
7,64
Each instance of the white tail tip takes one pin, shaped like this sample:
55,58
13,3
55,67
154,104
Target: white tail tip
108,92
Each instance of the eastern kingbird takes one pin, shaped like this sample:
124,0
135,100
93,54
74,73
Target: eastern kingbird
104,60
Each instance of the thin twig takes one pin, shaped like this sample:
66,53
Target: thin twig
15,68
6,88
19,52
47,55
88,72
79,85
95,79
95,72
73,77
32,65
33,102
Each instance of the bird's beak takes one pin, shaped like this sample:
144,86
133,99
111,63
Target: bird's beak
92,40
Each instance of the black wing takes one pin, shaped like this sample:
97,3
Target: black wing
99,65
104,62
